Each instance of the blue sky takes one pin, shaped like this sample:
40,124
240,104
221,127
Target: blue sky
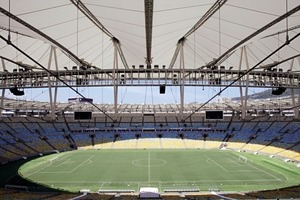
135,95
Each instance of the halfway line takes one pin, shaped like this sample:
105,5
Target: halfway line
148,166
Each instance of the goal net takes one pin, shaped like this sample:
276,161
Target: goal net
39,166
53,160
243,159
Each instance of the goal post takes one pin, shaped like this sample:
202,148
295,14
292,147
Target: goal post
40,166
53,160
243,159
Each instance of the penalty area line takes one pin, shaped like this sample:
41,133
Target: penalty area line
81,164
216,163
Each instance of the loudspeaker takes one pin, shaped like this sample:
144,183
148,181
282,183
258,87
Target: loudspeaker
214,114
82,115
162,89
278,91
16,91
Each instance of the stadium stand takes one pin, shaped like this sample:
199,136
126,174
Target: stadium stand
45,137
214,47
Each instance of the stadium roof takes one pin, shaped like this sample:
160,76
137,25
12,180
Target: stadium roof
189,34
150,31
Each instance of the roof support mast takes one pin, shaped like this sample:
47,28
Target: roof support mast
244,98
148,27
52,73
115,78
95,21
52,97
215,7
181,78
65,50
225,55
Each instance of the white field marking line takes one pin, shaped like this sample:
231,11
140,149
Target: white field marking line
236,159
101,186
63,163
209,161
192,184
222,197
52,172
247,163
237,171
149,166
235,162
61,172
216,163
36,171
264,172
81,164
44,166
162,182
141,165
64,157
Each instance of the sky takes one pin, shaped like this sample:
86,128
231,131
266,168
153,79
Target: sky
135,95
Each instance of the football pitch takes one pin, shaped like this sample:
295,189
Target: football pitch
129,170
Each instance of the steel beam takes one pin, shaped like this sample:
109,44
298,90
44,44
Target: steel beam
95,21
148,28
52,97
65,50
219,60
214,8
140,77
181,81
115,79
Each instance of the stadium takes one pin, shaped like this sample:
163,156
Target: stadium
134,99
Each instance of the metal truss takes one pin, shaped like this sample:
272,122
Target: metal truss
214,76
148,28
101,27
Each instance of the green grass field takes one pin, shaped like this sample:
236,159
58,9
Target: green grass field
165,169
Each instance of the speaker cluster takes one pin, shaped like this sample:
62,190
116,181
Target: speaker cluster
16,91
162,89
278,91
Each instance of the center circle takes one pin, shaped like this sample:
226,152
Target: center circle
148,163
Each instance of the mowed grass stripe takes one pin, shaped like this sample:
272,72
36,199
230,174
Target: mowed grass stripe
116,169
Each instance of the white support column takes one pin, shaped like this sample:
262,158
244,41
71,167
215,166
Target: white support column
56,82
181,77
3,90
115,78
247,84
52,100
244,99
241,88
